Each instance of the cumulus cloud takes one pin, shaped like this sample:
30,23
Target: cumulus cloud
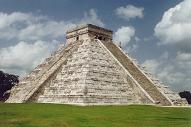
151,65
12,24
8,19
174,72
175,26
124,34
173,31
184,62
50,29
129,12
91,17
26,26
181,56
24,56
30,38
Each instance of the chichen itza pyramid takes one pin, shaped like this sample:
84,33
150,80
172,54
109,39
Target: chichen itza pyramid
90,69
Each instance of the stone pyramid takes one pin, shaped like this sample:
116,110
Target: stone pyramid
91,70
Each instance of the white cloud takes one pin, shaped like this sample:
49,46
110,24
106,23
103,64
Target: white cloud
50,29
8,19
181,56
175,26
174,72
184,62
24,56
124,35
30,38
91,17
129,12
174,30
151,65
26,26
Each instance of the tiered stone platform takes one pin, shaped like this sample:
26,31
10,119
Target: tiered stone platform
91,70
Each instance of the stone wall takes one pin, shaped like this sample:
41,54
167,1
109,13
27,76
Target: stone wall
88,31
91,76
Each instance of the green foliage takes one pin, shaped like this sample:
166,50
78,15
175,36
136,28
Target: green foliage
52,115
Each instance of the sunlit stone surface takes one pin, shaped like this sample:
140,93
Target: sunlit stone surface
91,70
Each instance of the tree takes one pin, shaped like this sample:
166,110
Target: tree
187,95
7,81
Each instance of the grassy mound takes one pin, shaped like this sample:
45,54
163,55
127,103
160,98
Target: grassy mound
51,115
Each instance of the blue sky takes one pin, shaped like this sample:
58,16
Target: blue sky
155,32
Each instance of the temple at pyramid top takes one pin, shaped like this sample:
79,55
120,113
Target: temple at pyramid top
91,70
88,31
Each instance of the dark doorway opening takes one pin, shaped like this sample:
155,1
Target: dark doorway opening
77,38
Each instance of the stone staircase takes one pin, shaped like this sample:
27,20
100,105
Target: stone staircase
173,96
90,77
31,84
141,78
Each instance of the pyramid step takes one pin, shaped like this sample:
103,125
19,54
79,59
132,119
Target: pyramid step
96,99
37,80
137,74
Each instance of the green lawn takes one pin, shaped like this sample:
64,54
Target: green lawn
50,115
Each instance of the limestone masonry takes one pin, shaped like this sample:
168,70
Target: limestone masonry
91,70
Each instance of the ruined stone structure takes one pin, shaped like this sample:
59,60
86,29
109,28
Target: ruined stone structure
91,70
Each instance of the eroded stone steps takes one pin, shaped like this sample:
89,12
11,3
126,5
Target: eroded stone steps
56,66
137,74
88,99
27,90
100,76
